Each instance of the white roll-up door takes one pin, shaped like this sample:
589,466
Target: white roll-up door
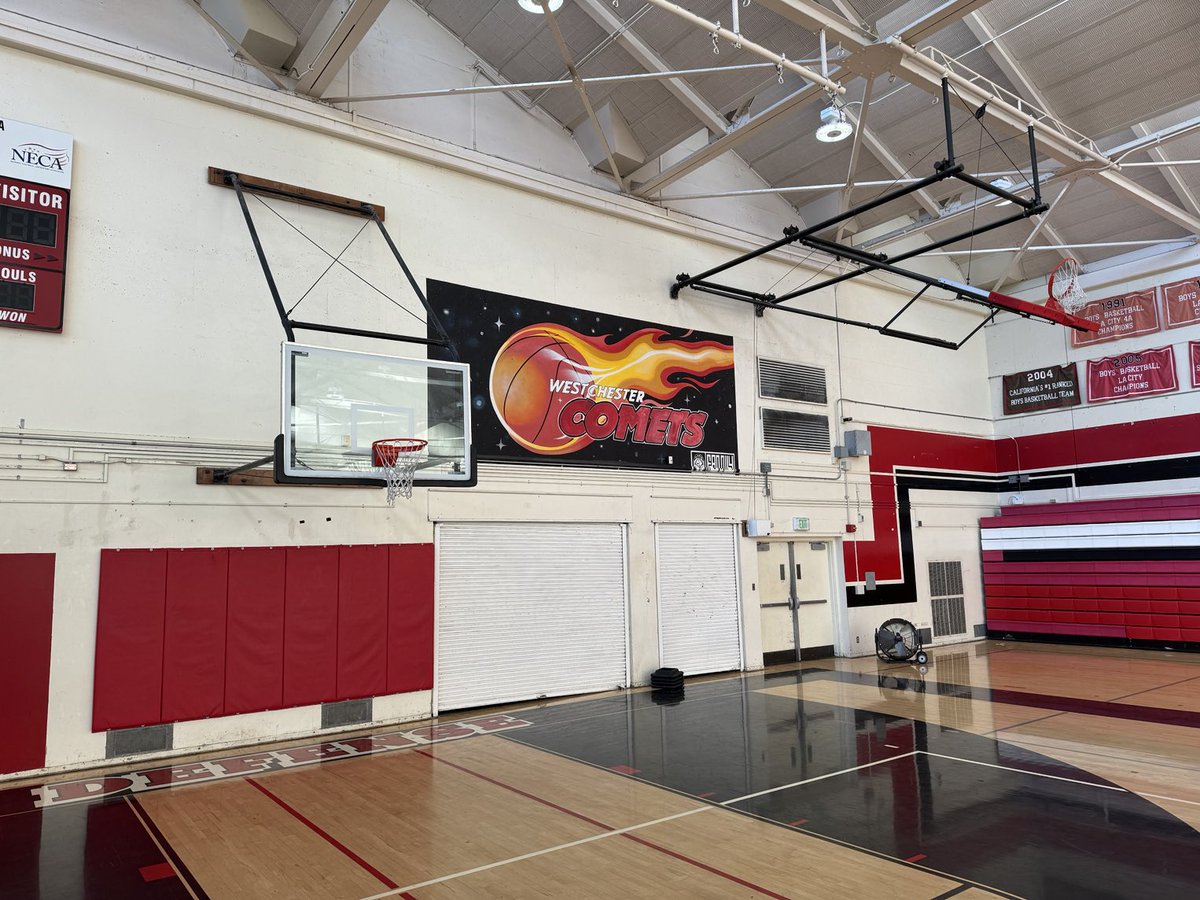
529,610
699,608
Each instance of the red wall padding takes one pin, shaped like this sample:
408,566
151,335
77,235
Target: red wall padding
362,628
129,639
193,681
410,616
186,634
26,611
310,626
254,630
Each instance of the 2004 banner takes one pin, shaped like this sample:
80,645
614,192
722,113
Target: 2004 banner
555,384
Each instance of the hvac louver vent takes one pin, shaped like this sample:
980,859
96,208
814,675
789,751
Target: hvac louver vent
791,381
946,590
786,430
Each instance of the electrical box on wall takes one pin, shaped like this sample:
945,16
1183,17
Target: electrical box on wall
758,527
858,443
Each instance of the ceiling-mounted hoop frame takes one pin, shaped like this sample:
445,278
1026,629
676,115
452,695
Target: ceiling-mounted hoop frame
870,262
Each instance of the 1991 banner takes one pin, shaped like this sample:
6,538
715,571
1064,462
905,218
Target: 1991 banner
555,384
1126,315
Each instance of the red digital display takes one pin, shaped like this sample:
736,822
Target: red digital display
33,254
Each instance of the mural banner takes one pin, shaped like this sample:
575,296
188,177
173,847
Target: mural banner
560,385
1122,316
1051,387
1181,302
1137,374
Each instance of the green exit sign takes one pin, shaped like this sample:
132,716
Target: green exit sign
799,524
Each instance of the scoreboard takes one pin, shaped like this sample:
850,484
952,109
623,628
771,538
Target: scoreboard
35,198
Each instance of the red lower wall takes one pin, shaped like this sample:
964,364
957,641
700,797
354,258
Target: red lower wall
26,617
193,633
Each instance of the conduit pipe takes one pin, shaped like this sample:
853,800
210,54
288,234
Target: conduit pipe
778,58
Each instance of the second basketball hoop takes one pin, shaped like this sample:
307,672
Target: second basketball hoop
1064,287
398,459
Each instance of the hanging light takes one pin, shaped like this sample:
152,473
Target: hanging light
534,7
834,125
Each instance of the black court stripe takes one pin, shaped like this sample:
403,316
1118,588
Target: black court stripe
953,892
185,874
1103,554
1103,708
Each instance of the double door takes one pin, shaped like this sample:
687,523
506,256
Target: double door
794,600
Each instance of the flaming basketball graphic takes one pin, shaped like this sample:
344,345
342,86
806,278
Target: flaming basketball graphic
556,390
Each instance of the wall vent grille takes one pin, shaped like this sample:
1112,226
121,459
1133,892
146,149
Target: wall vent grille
787,430
791,381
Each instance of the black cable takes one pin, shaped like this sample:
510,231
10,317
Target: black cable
398,305
336,260
998,144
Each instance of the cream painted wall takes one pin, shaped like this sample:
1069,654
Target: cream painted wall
170,353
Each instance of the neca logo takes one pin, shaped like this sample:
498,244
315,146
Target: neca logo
41,157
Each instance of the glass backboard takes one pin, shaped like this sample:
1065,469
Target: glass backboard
337,402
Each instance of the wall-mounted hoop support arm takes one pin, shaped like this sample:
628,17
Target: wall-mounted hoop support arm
247,184
221,476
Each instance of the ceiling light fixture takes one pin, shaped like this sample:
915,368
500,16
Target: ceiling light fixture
834,125
534,7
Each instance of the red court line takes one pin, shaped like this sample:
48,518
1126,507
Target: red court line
190,883
157,872
383,879
517,790
915,858
687,859
695,862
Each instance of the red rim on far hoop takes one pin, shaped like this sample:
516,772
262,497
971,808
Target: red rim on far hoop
1064,288
398,458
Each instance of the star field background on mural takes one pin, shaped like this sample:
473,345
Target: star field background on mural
480,322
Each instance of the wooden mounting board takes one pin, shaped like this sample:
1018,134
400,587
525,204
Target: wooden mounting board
264,187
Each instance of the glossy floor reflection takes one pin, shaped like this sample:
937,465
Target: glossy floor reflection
1005,769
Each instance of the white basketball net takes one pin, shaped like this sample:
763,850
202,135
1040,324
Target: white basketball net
1065,288
398,459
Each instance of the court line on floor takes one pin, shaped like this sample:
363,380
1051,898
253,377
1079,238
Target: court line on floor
181,871
616,831
346,851
687,859
1106,787
1031,742
1153,689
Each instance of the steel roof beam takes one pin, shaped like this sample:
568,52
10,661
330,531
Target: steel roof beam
728,140
925,73
328,49
602,14
1178,185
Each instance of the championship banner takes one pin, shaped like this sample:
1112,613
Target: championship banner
1181,302
1122,316
1138,374
1194,353
1053,387
555,384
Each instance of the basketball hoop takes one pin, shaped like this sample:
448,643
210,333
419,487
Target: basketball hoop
399,459
1064,288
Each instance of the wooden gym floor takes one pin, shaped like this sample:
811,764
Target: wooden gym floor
1006,769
